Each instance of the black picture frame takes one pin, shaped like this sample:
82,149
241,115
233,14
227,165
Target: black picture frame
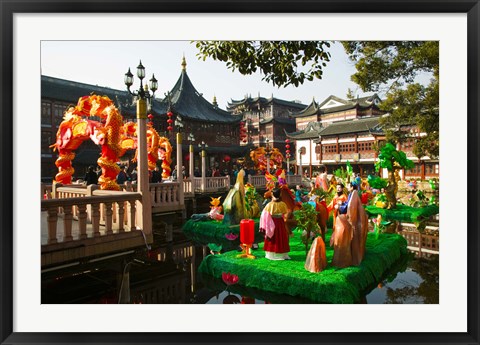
10,7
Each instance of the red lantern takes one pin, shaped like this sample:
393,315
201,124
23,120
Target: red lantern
169,114
170,128
187,158
287,140
169,121
226,158
247,228
287,151
287,146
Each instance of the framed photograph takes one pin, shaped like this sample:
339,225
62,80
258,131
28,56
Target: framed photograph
38,36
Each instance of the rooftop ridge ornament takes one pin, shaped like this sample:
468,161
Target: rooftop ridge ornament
184,63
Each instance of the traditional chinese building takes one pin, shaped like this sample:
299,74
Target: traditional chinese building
265,118
205,120
336,131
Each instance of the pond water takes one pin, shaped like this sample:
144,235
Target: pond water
141,278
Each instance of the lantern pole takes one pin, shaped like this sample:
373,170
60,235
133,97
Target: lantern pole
191,139
267,152
203,146
300,169
144,101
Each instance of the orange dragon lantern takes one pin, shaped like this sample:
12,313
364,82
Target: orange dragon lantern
110,133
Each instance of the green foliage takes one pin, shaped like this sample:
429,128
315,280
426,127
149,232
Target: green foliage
250,196
377,182
342,174
388,66
306,218
389,157
281,62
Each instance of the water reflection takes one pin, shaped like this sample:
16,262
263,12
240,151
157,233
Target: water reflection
168,274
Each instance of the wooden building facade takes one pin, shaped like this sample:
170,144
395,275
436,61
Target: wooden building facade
206,121
337,131
265,118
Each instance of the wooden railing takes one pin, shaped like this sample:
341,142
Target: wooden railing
422,244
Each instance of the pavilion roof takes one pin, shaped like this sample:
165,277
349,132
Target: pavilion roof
249,101
189,103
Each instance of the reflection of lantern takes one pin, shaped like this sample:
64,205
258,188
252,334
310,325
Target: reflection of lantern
247,237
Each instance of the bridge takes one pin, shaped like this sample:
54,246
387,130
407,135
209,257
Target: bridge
80,222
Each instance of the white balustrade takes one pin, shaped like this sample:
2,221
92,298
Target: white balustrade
107,208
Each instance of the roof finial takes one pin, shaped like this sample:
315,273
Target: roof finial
215,101
184,63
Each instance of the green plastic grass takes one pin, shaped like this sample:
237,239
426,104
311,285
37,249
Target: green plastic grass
403,212
289,277
210,231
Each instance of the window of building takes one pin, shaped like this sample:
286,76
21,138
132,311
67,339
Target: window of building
58,110
347,147
365,146
417,170
46,141
329,148
46,113
431,169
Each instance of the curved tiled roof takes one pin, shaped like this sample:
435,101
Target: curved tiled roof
369,124
189,103
315,109
265,101
314,129
71,91
278,120
311,109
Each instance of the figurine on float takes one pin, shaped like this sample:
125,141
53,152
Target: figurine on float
337,200
350,233
272,223
234,204
215,212
317,256
321,181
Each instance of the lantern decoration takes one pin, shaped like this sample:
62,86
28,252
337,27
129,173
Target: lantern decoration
243,132
150,118
287,147
187,158
226,158
169,121
247,237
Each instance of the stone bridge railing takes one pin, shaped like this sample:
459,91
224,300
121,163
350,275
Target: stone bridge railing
212,184
88,225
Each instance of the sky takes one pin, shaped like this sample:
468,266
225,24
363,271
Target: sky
104,63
